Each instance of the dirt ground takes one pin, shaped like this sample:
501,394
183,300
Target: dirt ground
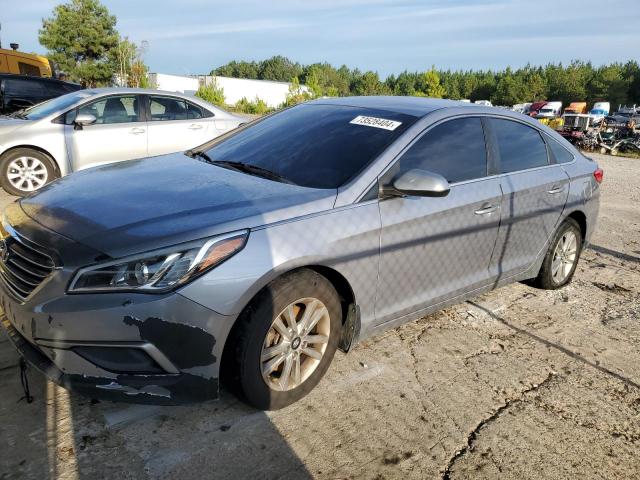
518,383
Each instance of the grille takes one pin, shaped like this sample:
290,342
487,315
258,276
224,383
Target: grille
23,268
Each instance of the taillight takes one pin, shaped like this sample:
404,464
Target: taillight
598,174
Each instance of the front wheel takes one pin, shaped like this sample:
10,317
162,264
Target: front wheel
284,341
561,259
24,171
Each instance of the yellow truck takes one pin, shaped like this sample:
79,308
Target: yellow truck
576,108
19,63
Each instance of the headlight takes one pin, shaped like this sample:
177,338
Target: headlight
160,271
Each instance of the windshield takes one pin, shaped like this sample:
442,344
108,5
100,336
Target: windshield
58,104
314,145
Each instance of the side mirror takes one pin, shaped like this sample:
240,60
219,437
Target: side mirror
84,119
417,182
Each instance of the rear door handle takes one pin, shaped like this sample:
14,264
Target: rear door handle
195,126
486,209
555,189
137,131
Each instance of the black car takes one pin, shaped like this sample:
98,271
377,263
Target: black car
21,91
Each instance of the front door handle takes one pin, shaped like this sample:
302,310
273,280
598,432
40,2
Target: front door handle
137,131
195,126
486,209
555,189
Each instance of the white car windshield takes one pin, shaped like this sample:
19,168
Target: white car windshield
58,104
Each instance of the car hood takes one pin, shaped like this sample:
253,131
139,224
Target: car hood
139,205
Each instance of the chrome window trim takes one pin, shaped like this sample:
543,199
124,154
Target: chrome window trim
425,130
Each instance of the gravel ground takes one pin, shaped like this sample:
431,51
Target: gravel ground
517,383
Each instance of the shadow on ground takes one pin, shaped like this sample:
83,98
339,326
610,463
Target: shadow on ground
63,435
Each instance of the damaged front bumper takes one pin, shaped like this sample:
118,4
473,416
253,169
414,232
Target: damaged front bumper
133,347
157,389
185,358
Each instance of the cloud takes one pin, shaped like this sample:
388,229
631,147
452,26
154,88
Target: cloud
204,30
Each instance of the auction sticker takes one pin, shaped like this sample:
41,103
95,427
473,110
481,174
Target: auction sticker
376,122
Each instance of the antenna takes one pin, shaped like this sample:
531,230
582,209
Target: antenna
0,35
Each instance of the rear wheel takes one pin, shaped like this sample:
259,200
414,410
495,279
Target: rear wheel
284,341
561,259
24,170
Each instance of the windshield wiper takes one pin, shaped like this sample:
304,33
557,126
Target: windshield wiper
241,167
253,170
198,153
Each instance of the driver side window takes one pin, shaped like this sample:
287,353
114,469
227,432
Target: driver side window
109,110
454,149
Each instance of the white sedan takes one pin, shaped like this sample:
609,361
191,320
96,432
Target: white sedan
103,125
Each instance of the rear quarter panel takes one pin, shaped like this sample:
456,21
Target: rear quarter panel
584,192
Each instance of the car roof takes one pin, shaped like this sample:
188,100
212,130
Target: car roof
415,106
148,91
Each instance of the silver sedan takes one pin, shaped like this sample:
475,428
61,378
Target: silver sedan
97,126
252,258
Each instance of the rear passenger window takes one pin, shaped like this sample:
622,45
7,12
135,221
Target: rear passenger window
561,154
167,108
454,149
521,147
195,112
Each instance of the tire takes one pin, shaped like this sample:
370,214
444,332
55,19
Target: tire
42,171
246,353
546,278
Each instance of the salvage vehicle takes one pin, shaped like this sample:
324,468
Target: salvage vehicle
18,92
625,118
523,108
550,110
535,107
255,256
574,126
576,107
102,125
600,108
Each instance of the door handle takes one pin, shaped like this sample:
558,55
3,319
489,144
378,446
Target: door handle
486,209
555,189
137,131
195,126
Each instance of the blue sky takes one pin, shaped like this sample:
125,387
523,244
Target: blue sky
193,36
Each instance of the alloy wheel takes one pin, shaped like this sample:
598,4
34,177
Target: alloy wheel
564,256
295,344
27,174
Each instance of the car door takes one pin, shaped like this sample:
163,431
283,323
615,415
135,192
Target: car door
176,124
535,192
434,248
119,132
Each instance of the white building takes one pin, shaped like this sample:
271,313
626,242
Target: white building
272,93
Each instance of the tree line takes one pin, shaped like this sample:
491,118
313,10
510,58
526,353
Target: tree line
618,83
